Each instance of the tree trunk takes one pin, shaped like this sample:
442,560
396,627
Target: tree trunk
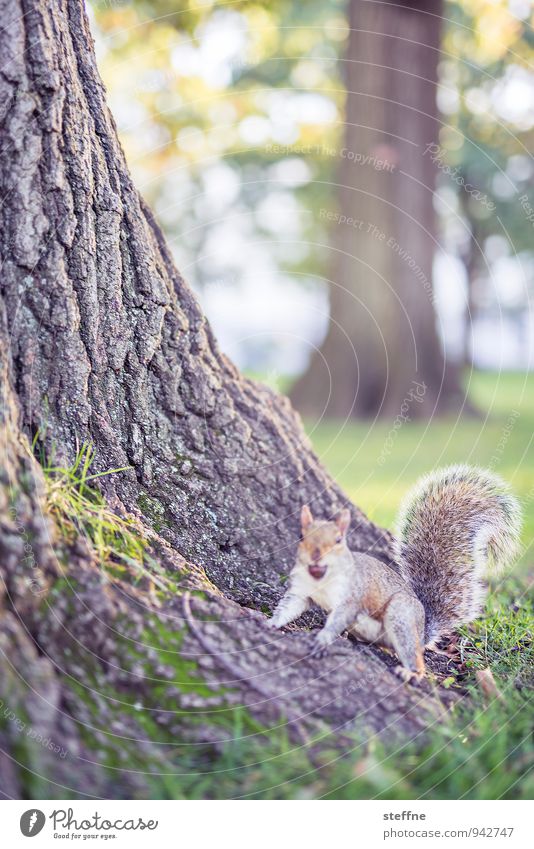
382,341
473,257
102,341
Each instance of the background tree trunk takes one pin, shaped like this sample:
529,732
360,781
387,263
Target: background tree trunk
382,337
101,340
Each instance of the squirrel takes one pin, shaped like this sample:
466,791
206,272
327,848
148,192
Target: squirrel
455,524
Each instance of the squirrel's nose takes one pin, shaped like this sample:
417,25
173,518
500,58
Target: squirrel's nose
316,554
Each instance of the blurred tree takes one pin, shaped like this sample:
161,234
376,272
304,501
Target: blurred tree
230,116
382,340
485,161
232,120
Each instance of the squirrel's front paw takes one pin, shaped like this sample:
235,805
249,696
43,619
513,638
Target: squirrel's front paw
320,645
272,624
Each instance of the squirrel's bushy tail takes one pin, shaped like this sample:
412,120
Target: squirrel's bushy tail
455,524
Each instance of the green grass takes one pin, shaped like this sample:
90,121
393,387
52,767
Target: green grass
78,508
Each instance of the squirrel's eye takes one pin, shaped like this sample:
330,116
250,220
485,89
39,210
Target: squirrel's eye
338,540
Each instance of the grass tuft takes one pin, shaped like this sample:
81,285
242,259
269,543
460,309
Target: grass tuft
78,508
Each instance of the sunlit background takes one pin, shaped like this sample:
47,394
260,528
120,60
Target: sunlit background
231,115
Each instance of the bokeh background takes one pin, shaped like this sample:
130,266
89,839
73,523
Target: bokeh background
348,186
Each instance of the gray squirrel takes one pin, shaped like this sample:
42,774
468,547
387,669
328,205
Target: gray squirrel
456,524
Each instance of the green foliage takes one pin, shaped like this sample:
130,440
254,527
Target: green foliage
215,130
184,126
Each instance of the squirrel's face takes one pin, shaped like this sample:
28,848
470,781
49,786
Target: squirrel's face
322,543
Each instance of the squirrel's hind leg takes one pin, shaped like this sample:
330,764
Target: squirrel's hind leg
366,628
404,622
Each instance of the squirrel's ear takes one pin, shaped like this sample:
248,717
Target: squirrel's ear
343,521
306,517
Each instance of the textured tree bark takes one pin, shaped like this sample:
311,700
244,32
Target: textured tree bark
101,340
382,340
